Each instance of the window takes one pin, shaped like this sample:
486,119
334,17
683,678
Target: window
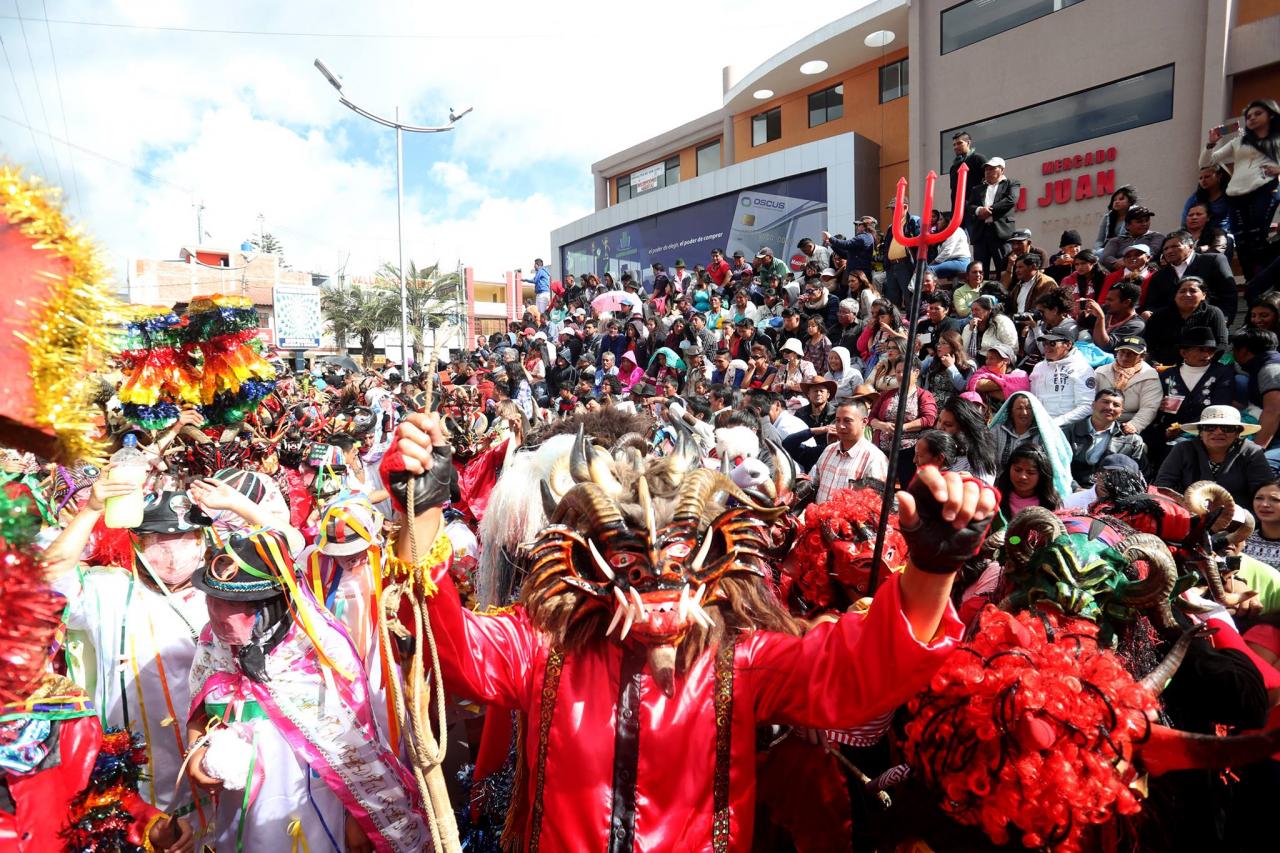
1135,101
709,157
652,177
827,105
975,20
766,127
893,81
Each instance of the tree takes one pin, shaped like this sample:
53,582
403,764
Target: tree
365,312
270,245
432,299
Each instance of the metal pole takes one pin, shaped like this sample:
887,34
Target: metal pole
404,290
908,357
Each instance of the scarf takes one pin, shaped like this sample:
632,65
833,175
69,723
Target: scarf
1055,443
1120,376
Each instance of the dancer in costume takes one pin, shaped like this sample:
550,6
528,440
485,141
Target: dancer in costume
65,784
280,719
142,618
344,572
648,646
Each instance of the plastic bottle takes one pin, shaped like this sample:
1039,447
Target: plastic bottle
128,465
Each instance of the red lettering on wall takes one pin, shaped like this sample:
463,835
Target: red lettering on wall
1088,158
1106,182
1111,154
1046,199
1022,198
1084,187
1046,168
1062,191
1077,162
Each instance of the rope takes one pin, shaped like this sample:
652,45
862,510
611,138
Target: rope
426,753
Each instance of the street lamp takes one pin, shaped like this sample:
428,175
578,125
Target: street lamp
336,82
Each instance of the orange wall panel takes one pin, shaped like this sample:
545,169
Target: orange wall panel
1261,82
1255,10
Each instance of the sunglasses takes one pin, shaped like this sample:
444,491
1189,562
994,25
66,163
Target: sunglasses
1232,430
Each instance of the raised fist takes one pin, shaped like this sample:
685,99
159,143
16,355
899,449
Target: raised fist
420,452
944,518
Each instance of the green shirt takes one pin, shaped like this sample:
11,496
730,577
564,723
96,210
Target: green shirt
1263,579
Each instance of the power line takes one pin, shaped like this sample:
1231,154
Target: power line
62,107
106,157
35,78
26,122
291,34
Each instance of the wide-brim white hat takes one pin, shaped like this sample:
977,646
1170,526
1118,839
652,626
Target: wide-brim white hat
1221,416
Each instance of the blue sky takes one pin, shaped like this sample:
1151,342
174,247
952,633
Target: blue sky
162,114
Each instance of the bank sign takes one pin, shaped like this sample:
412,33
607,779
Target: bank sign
774,215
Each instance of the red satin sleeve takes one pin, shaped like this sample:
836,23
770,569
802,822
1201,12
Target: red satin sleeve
844,673
489,659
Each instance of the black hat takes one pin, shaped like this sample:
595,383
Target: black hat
1137,345
1197,336
249,567
169,512
1055,335
1070,238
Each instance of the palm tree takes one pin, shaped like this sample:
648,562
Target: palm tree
365,312
432,298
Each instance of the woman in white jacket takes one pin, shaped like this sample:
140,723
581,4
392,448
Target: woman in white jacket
987,326
1253,153
1136,380
841,372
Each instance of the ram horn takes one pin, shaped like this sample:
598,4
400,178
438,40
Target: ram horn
588,501
601,470
1168,749
698,488
1206,496
1156,679
1241,527
630,439
1030,530
784,468
579,458
1152,592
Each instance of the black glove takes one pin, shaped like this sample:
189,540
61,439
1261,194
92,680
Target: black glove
933,543
430,489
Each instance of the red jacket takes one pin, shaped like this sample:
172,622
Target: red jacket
42,800
837,676
720,273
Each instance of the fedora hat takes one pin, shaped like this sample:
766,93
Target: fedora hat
1228,416
831,386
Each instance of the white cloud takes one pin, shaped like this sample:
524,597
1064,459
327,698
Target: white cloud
246,125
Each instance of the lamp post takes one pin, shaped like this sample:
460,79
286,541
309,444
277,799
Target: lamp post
336,82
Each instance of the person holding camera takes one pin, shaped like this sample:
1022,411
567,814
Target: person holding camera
1052,314
1119,319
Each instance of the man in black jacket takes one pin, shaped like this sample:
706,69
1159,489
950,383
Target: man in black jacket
990,208
962,144
1099,435
1180,261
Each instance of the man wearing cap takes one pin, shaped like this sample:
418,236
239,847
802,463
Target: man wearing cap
1218,453
1135,268
1182,261
1083,500
1118,319
899,260
989,207
766,265
1019,246
1101,434
1062,264
1137,229
1137,381
858,250
1064,380
1055,316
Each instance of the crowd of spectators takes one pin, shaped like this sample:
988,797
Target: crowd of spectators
1031,364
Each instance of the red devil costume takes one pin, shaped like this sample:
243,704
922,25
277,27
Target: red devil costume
643,738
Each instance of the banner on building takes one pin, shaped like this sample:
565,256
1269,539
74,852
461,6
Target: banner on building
298,318
643,180
773,215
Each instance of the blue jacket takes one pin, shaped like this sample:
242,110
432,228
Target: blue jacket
857,250
541,280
